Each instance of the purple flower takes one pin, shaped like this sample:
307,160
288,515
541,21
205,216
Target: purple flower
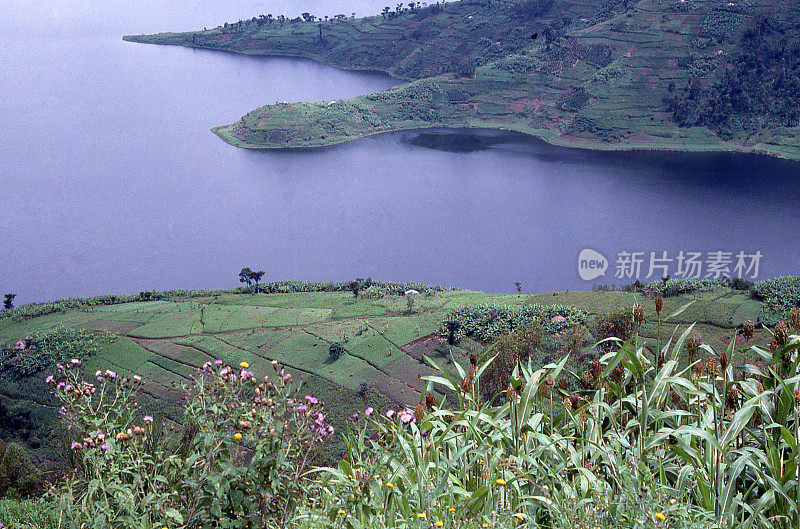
104,447
390,414
218,362
302,408
312,400
368,411
355,416
75,445
49,379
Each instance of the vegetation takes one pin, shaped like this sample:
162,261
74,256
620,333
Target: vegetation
691,437
603,74
19,478
41,351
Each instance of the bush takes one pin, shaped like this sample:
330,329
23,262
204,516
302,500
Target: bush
780,294
239,461
18,477
510,350
616,324
485,322
336,350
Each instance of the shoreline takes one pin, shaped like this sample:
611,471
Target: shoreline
543,135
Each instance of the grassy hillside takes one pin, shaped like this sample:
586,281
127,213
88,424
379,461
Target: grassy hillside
166,340
654,74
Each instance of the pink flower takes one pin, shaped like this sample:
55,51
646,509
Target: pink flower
49,379
76,444
137,378
406,416
310,399
104,447
218,362
148,419
390,414
368,411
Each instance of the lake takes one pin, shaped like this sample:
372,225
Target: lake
113,183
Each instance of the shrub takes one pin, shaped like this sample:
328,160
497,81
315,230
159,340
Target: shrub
510,350
336,350
485,322
238,462
18,477
615,324
780,294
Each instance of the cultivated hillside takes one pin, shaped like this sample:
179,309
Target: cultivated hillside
660,74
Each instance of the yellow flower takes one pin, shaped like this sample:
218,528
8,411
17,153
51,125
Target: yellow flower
452,509
439,523
244,365
390,485
485,525
341,512
421,515
661,516
519,516
500,481
237,436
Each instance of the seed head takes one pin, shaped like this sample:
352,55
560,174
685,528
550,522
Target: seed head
638,314
510,393
692,344
723,360
597,369
781,333
574,401
473,359
430,401
659,305
748,330
795,318
712,366
419,413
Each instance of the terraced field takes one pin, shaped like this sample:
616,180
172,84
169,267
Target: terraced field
599,74
165,341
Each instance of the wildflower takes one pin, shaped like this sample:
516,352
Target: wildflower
148,419
244,365
49,379
76,445
389,484
406,416
341,511
723,360
661,516
368,411
390,414
439,523
500,481
237,436
217,362
137,378
75,362
104,447
452,509
659,305
311,400
421,515
519,516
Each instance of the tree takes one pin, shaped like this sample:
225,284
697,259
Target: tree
519,287
256,276
336,350
246,276
8,302
385,12
356,286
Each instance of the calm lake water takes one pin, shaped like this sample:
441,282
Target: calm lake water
111,181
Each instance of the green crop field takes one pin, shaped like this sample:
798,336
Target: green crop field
384,344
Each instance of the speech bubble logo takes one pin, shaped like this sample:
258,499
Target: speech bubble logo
591,264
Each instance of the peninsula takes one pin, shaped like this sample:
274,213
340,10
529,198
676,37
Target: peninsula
696,75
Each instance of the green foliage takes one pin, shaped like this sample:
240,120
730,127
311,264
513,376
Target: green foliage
678,286
28,514
509,350
239,460
780,294
19,478
615,324
336,350
485,322
43,350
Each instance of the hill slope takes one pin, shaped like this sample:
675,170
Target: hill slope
657,74
165,340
